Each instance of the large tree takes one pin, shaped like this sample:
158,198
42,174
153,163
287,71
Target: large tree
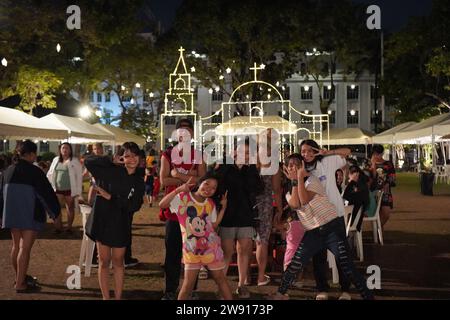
417,61
236,34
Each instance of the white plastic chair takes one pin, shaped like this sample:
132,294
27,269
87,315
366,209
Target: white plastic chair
376,222
332,265
330,256
351,227
87,245
441,174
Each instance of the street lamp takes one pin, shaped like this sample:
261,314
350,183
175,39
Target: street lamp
228,70
4,62
138,85
151,94
98,113
58,48
210,91
85,112
193,69
352,112
306,88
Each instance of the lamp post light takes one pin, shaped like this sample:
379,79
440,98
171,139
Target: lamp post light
4,62
85,112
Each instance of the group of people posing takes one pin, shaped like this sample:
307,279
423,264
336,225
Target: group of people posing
209,213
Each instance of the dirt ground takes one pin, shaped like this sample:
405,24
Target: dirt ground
414,261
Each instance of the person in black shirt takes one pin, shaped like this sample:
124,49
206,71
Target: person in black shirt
243,183
120,191
357,193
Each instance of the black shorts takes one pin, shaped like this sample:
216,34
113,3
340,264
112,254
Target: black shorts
148,189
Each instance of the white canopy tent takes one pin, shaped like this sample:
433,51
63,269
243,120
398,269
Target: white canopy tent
18,125
389,136
79,131
120,135
424,132
348,136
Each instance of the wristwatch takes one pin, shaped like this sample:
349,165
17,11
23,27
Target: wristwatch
295,183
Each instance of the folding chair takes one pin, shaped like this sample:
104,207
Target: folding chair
376,222
87,245
351,227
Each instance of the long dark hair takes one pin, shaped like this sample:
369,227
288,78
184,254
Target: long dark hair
71,151
313,144
211,175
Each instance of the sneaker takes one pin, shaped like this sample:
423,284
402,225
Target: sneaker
345,296
242,293
132,262
322,296
203,274
169,296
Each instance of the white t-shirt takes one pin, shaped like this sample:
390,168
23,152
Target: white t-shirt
326,172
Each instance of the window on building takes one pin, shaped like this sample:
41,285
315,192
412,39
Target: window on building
44,147
306,92
91,97
372,92
126,98
99,97
217,96
4,145
332,116
286,93
329,92
108,97
352,117
169,120
352,92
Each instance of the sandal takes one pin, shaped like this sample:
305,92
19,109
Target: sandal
264,283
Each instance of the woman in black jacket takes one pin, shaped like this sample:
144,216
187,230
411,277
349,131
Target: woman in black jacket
25,196
120,190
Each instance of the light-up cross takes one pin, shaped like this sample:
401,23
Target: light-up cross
255,70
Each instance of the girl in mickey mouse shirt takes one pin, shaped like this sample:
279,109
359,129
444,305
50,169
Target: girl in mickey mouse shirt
198,220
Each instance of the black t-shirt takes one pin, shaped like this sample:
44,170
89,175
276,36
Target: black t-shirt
243,186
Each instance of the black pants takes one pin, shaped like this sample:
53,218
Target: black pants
174,251
329,236
320,269
128,254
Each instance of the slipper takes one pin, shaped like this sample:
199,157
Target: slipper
266,282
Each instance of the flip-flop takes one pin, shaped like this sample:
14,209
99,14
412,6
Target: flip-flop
266,282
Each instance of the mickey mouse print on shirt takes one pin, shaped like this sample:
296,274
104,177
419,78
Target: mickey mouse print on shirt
200,242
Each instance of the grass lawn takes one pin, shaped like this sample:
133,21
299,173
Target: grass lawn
409,182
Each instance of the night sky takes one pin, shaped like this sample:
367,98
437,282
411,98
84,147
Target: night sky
394,13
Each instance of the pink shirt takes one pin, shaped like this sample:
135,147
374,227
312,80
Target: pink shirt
294,236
